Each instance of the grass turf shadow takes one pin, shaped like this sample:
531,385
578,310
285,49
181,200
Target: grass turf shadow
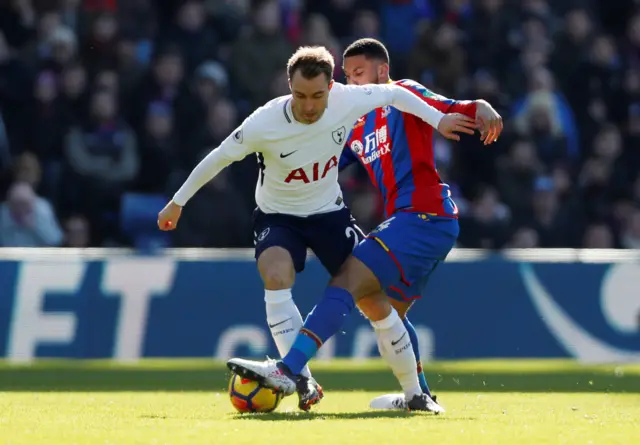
298,416
74,379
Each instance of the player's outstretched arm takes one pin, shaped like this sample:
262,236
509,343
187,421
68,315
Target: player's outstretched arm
487,120
233,148
375,96
449,125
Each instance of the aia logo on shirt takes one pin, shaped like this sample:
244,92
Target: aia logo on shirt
376,144
316,173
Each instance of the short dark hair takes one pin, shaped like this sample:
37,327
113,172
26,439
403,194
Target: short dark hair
370,48
311,61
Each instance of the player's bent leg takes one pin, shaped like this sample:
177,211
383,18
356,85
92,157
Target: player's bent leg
354,281
372,310
387,268
398,401
276,268
277,271
402,307
402,297
328,316
375,307
372,263
394,342
356,278
324,320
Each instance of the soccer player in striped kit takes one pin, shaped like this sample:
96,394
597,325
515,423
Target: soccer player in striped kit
390,136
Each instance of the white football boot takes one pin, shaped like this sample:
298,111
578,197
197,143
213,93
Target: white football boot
398,401
267,372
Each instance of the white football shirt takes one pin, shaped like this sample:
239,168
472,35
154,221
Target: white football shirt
299,162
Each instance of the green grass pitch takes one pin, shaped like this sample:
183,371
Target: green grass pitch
180,402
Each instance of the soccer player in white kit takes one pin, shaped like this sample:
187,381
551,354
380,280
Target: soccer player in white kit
298,140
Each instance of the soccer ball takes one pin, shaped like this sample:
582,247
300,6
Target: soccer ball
251,397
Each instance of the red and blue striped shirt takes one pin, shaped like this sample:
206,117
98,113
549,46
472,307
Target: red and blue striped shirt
396,149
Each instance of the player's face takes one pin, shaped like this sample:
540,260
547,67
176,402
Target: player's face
360,71
310,97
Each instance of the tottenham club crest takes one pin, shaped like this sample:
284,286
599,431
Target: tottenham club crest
357,147
339,135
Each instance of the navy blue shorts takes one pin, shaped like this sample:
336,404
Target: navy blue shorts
404,250
331,236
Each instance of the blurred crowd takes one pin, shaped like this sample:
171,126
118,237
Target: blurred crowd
98,99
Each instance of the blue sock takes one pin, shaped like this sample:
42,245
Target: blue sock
323,321
416,350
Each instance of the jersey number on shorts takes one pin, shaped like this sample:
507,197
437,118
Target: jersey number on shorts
351,232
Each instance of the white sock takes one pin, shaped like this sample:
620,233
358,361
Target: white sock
284,321
394,345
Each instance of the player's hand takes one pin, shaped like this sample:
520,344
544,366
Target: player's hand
488,121
169,216
454,123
